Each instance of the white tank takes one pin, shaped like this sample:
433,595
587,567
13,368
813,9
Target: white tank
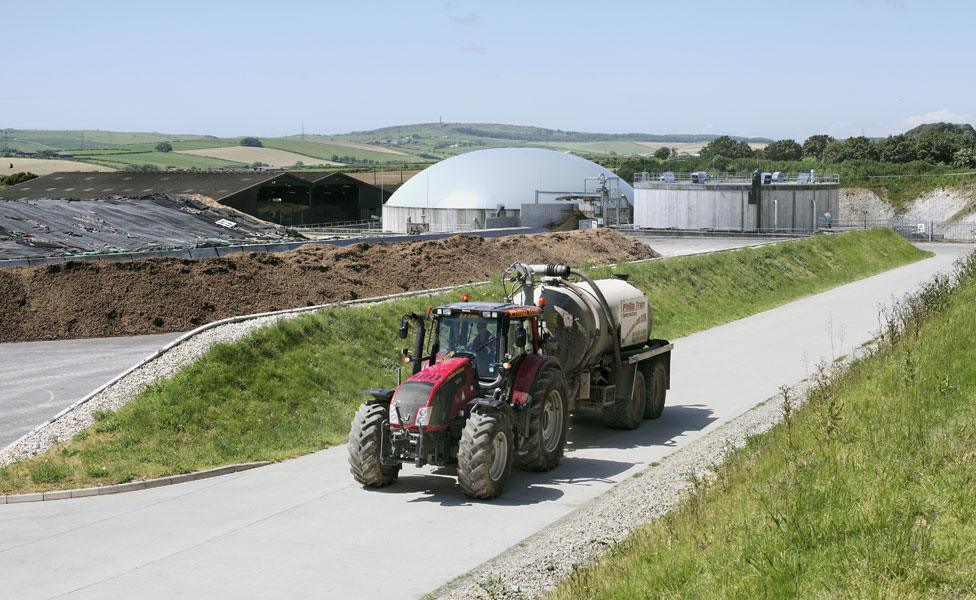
575,318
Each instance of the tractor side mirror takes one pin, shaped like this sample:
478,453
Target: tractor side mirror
521,337
404,329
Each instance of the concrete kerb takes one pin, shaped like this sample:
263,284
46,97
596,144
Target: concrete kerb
130,486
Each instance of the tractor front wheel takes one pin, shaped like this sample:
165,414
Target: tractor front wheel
548,424
365,443
485,454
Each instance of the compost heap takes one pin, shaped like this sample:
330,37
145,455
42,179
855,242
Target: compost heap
81,299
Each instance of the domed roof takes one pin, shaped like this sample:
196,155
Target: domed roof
485,179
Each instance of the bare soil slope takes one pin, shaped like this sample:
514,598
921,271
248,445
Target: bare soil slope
78,300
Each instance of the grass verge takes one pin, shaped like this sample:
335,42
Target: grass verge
292,388
866,491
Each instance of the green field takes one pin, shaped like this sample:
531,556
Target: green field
292,388
162,160
865,492
88,139
325,150
625,148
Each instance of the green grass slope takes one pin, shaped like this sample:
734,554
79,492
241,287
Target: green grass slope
865,492
292,388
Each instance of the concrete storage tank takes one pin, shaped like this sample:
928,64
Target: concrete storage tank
728,202
468,190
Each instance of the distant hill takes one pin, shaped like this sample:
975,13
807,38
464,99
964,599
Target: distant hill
950,128
525,133
83,139
419,143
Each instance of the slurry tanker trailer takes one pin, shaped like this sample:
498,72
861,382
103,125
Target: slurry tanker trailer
493,383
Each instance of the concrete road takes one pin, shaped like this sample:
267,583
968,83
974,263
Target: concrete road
667,245
40,379
304,529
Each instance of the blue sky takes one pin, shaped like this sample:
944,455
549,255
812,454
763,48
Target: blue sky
775,69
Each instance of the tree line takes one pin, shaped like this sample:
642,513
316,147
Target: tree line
943,146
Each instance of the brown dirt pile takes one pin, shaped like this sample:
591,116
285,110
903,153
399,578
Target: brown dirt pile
78,300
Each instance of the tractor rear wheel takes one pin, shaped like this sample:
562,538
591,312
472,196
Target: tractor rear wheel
485,454
548,423
627,413
365,442
657,390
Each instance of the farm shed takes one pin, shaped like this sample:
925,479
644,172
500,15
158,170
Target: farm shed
287,198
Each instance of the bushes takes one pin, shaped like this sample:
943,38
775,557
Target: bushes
16,178
251,142
146,168
783,150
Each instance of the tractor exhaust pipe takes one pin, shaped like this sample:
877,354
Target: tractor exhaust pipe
418,345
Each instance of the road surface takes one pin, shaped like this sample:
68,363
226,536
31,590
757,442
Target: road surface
40,379
304,529
667,245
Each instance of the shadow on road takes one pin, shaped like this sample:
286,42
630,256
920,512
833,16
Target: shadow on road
523,488
588,431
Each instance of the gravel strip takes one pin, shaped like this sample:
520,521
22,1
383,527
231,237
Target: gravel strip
537,564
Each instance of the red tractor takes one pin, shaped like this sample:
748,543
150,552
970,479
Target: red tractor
493,384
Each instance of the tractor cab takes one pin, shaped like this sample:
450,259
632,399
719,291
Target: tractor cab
489,333
464,353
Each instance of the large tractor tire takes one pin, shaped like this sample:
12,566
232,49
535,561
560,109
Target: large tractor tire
627,413
548,423
485,454
365,439
656,376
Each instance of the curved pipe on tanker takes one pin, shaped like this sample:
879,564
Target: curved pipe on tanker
607,312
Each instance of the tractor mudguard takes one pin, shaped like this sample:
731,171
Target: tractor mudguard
528,371
492,403
379,396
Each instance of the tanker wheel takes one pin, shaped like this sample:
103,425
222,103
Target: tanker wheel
365,440
627,413
548,424
657,391
485,454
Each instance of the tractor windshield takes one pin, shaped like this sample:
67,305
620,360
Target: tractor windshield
471,335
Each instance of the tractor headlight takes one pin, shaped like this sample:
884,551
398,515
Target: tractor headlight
394,419
423,416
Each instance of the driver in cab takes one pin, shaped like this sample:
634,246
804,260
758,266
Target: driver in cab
484,349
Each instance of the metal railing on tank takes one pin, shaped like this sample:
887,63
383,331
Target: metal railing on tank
718,178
